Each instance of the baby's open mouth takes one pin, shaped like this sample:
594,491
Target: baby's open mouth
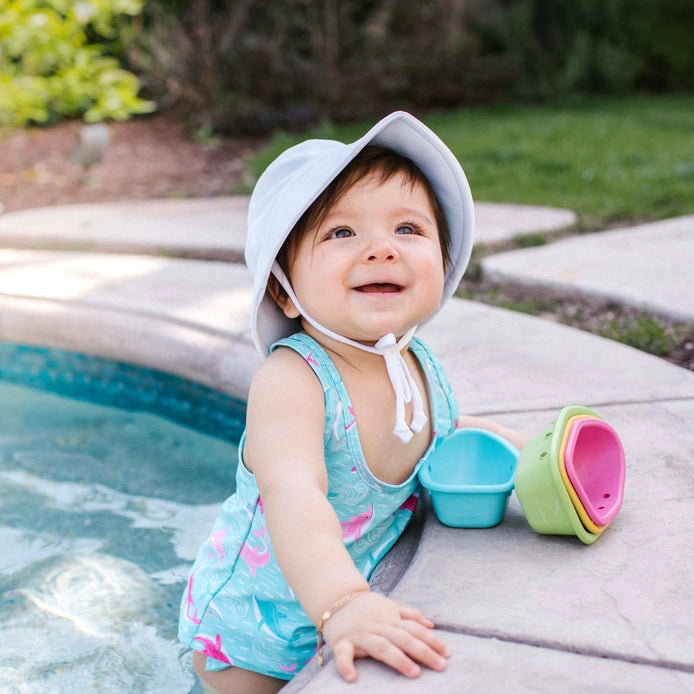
379,288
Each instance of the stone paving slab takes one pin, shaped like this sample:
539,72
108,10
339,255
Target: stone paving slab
211,295
199,226
630,593
495,222
502,361
647,266
491,666
186,317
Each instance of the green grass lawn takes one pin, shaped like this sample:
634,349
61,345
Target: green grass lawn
612,160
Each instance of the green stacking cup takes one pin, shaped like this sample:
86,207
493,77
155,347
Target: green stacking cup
539,487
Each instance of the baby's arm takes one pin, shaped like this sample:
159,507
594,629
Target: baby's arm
284,449
518,439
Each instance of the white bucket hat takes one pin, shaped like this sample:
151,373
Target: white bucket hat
294,181
299,175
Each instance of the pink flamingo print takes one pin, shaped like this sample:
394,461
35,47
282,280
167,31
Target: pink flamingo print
311,360
289,668
356,526
215,544
410,504
256,557
213,649
190,603
354,419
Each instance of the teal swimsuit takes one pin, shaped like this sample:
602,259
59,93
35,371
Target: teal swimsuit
237,608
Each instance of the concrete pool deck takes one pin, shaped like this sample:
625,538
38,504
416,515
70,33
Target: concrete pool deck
520,611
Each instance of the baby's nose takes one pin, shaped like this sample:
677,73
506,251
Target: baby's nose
381,248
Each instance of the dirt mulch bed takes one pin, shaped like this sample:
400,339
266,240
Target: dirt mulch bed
660,335
145,158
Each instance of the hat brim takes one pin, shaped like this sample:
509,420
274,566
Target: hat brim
298,176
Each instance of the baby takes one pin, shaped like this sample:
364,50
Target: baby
351,247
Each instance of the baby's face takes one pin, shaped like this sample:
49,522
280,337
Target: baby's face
374,265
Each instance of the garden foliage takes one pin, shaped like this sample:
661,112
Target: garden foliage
249,65
606,46
255,66
58,59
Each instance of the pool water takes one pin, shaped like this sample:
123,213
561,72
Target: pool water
102,510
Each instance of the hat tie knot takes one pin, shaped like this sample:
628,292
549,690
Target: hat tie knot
404,386
390,349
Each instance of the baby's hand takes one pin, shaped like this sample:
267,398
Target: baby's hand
373,625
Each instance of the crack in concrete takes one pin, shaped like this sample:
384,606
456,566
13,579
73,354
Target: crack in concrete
592,405
605,654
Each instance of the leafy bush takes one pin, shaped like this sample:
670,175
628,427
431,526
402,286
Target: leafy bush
601,45
255,66
51,65
252,66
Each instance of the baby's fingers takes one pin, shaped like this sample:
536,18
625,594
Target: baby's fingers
421,645
377,647
344,660
415,615
400,648
427,636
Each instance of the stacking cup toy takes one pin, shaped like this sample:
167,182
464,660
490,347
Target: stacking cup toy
578,505
470,477
539,485
594,461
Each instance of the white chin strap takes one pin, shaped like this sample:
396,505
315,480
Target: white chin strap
390,349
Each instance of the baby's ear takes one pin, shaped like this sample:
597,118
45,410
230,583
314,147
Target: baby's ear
287,305
281,298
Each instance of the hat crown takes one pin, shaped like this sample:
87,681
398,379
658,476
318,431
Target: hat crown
275,196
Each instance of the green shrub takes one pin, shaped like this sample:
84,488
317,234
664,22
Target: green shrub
247,65
254,66
52,66
596,46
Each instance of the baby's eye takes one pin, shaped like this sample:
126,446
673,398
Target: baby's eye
407,229
340,233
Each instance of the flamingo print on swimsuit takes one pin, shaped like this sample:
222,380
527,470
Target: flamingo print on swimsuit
353,420
410,504
213,649
215,545
356,526
189,602
256,557
337,427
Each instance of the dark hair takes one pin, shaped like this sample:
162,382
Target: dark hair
383,162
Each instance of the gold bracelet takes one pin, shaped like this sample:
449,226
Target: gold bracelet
328,614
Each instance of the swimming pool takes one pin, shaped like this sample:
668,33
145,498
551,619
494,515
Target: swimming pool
110,477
